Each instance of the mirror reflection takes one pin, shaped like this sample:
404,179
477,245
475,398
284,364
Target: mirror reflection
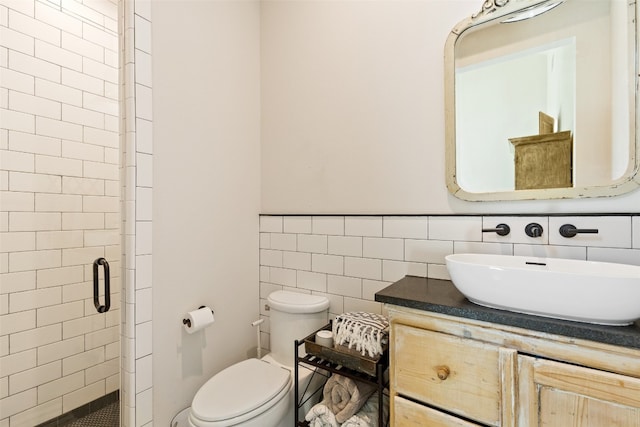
542,102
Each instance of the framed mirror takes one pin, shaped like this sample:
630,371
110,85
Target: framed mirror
541,100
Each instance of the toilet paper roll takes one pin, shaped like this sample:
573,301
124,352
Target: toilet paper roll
324,338
198,319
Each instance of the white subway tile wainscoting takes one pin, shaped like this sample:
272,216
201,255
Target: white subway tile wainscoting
350,258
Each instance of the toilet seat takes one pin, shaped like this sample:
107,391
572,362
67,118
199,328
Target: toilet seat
235,394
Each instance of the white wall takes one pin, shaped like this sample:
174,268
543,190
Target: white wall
353,116
206,194
487,116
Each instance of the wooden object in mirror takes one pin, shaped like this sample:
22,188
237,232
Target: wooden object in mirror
543,161
546,123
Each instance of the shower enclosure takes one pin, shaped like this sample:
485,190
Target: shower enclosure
73,200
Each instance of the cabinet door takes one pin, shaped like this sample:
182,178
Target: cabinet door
458,375
554,394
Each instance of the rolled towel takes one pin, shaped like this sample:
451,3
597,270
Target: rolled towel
367,416
320,416
344,396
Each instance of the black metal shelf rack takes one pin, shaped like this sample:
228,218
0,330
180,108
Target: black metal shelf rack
325,367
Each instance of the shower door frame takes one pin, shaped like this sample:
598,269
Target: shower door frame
136,146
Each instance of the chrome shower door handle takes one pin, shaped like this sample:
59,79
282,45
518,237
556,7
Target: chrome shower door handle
107,286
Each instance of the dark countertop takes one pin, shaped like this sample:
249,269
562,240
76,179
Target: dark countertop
441,296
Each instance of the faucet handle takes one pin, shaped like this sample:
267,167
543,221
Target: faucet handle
570,230
534,229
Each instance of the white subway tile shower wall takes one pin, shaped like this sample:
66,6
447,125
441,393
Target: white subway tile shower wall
350,258
60,206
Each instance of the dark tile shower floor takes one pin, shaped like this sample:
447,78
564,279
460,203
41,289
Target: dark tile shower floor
108,416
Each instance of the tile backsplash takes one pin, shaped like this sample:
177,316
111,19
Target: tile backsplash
350,258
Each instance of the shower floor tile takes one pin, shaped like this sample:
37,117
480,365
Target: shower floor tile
108,416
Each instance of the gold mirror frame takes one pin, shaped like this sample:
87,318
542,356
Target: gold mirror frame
493,10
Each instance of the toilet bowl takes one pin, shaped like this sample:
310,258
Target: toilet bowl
235,397
259,392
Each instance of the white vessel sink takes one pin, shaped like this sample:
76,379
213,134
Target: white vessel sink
583,291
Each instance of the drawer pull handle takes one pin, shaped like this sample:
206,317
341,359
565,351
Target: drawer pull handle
443,372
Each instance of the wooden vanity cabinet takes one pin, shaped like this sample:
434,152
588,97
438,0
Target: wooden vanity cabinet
445,371
409,413
560,394
454,372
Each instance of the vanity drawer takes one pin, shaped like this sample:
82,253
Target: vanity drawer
459,375
408,414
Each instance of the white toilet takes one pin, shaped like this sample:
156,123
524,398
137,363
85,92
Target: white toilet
259,392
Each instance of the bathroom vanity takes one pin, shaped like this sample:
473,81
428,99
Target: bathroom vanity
455,363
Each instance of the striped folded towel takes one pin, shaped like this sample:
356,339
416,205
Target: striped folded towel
364,331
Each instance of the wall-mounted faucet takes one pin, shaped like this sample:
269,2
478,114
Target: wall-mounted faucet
500,230
534,229
569,230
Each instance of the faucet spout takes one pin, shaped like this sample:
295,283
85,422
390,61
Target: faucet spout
500,230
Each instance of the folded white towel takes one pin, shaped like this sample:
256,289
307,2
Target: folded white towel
320,416
367,416
344,396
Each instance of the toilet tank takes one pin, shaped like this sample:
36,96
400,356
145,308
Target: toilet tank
293,316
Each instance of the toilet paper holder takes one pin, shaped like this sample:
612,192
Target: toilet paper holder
188,322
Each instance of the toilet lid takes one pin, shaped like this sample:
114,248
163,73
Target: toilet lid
238,389
296,302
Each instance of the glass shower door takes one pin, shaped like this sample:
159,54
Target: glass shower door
60,206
